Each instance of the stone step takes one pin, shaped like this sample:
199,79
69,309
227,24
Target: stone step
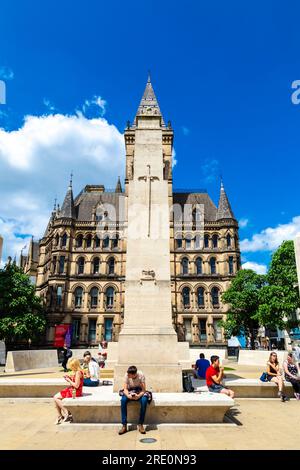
38,388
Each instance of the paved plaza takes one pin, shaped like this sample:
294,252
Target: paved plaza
264,424
253,424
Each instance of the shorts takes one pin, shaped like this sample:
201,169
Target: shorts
216,388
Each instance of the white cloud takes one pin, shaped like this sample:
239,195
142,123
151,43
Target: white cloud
6,73
258,268
35,164
49,105
95,106
243,223
270,239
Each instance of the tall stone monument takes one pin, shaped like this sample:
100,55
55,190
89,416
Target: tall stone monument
148,339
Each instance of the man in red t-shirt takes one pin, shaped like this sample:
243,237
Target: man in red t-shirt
214,376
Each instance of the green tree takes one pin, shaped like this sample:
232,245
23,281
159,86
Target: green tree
243,299
21,312
279,299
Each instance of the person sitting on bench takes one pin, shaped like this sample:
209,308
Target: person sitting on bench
214,377
92,374
201,366
134,390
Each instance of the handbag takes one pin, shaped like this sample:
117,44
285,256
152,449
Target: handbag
264,377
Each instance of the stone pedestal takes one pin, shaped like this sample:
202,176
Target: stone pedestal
148,339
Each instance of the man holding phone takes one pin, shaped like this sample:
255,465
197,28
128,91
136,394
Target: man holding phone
134,390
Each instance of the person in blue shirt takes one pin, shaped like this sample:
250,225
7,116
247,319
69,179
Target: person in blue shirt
202,365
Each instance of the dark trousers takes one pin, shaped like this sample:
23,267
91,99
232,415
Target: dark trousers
64,362
296,386
143,401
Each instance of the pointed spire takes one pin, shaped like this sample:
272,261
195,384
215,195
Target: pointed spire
224,208
119,186
68,208
149,104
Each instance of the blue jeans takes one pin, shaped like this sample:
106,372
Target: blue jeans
143,401
90,383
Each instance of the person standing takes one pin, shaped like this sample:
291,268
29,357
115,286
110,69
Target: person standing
67,354
92,373
201,366
134,390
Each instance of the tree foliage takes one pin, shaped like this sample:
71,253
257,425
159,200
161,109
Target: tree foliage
279,299
21,312
264,300
243,299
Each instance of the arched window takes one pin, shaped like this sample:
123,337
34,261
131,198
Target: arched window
230,264
78,297
215,294
97,242
228,239
96,265
111,266
105,242
200,296
80,266
115,241
88,241
94,297
199,265
79,241
59,296
178,242
61,267
185,266
206,241
56,239
188,242
196,215
110,295
213,265
215,240
186,294
197,242
54,264
64,240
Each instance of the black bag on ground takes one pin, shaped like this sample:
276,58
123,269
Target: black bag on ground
187,383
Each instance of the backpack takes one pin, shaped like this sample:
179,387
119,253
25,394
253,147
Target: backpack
187,383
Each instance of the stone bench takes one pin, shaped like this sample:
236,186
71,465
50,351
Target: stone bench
247,388
165,408
38,388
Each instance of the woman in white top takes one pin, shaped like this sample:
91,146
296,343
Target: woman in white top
92,373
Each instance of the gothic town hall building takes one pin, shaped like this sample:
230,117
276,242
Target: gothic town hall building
80,263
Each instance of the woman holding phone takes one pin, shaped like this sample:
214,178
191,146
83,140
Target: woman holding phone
73,390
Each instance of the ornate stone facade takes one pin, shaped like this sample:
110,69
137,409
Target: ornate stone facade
82,256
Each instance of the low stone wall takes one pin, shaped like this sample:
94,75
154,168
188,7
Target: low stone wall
165,408
2,353
31,359
258,358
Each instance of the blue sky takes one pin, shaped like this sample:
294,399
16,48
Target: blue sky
222,72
